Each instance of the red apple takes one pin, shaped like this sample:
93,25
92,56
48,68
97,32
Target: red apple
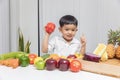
51,64
50,27
63,64
72,56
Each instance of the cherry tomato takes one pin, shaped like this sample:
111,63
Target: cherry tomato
75,65
32,58
50,27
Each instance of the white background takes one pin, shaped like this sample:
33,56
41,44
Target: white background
95,18
4,26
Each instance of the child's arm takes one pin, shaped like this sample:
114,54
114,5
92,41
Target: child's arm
45,43
49,28
83,44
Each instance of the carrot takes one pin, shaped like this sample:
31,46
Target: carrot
6,62
14,63
0,62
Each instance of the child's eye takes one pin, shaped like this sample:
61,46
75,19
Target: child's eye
73,30
66,29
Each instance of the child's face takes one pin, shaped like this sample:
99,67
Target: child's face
68,31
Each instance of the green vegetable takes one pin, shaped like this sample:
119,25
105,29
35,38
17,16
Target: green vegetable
21,54
24,60
10,55
45,56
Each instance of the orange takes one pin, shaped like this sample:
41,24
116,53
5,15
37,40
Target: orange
54,56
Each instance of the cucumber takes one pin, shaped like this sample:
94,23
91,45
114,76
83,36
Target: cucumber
45,56
11,55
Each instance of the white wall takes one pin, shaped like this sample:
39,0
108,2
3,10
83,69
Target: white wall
88,22
28,23
4,26
95,17
14,24
23,14
108,18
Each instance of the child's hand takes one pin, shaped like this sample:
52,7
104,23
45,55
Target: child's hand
50,27
83,40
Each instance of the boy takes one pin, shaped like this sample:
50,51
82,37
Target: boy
66,44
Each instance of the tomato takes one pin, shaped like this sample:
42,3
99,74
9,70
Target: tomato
32,58
75,65
50,27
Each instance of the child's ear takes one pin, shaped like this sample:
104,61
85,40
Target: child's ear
59,28
76,29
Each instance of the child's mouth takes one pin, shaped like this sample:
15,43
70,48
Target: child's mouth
69,36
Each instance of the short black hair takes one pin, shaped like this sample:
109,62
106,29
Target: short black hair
68,19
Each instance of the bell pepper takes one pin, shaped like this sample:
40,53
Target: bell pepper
24,61
32,57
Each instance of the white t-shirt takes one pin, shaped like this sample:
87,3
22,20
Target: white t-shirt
59,46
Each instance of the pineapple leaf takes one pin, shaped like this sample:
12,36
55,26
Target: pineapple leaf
114,36
27,47
21,41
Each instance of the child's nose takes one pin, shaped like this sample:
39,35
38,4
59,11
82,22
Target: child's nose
70,32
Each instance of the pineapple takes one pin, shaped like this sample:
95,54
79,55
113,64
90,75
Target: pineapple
117,53
110,49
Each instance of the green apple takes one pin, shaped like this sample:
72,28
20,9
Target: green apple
38,59
40,65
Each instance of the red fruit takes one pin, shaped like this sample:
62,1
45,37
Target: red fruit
50,27
75,66
72,56
51,64
32,58
63,64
